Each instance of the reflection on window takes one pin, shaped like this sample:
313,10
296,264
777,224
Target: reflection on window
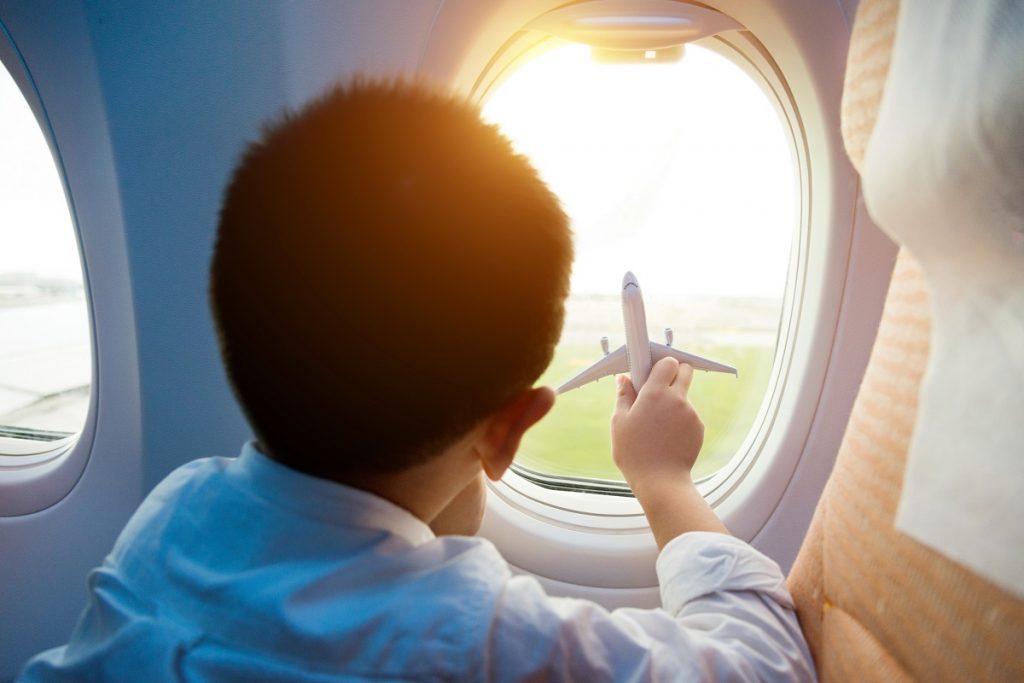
682,173
45,356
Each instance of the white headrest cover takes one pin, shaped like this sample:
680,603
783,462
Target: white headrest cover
944,176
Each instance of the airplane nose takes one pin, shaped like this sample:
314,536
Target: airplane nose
629,279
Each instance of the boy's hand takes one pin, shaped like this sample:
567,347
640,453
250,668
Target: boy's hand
657,435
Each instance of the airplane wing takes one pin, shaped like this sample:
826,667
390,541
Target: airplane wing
659,351
610,364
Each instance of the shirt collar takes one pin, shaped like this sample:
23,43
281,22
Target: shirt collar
325,500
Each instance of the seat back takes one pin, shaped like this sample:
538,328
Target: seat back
874,604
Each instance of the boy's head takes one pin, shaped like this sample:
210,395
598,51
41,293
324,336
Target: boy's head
387,273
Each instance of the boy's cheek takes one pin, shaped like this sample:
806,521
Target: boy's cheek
464,514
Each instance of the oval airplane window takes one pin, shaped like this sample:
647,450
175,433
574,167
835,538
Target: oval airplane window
681,171
45,354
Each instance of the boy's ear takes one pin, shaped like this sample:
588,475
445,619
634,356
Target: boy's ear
505,429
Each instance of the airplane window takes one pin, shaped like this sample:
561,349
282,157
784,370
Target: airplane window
683,173
45,355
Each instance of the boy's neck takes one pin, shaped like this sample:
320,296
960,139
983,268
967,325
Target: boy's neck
427,488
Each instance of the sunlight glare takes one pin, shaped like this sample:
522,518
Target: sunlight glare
680,172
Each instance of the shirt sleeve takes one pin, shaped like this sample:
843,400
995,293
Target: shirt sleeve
726,616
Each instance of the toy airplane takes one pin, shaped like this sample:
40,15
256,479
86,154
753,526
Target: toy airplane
639,353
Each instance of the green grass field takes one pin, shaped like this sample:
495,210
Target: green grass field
574,438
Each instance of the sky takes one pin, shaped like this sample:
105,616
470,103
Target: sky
679,172
36,234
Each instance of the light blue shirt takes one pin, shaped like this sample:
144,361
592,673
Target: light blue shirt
245,570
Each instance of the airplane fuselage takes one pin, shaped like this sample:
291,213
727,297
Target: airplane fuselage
638,346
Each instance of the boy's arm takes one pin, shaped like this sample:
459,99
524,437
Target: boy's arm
656,437
727,614
727,617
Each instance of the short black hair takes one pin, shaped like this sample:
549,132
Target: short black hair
387,272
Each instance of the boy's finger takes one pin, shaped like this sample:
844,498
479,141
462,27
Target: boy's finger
662,373
625,395
684,376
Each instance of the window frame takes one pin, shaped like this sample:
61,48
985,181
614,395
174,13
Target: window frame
743,49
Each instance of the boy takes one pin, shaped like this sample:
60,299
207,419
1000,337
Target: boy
388,283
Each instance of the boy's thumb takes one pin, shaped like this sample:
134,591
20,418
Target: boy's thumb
626,394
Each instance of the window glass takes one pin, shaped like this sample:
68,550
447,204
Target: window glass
45,358
683,174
